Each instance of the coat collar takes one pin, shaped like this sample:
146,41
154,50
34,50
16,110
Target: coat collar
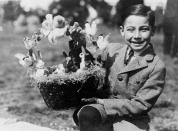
140,62
120,58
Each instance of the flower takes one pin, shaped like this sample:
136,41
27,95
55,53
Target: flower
40,64
102,42
79,66
92,27
79,58
82,63
29,43
60,69
54,28
25,60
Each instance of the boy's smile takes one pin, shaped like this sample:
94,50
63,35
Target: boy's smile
137,32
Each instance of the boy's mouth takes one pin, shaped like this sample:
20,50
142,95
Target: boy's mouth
137,42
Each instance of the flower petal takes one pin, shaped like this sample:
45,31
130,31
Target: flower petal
39,73
19,56
28,61
40,64
58,22
25,61
29,43
91,28
56,34
103,42
49,17
51,38
59,32
46,28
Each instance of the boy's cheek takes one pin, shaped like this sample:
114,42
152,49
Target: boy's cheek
128,38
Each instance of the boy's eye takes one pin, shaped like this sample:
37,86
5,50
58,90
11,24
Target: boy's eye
130,29
144,29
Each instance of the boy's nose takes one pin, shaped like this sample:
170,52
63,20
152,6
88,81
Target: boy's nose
137,34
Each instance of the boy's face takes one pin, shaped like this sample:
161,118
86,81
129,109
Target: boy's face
137,32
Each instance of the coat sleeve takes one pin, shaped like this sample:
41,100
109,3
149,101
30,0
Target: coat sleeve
145,98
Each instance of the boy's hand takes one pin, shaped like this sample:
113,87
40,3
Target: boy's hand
92,100
89,100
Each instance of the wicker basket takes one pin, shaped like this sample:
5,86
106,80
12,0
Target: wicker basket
63,92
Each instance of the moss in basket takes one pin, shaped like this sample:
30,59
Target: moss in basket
65,91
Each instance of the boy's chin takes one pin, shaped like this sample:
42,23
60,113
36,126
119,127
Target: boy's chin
138,48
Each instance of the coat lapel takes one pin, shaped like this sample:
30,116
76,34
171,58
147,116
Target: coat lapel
140,62
136,64
120,65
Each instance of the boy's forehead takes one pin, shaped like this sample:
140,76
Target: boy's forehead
136,20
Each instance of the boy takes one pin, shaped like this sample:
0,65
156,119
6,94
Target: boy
136,78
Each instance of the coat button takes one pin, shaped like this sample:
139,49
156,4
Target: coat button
119,77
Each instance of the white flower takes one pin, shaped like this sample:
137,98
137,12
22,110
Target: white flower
82,63
102,42
29,43
40,69
56,34
60,69
39,73
54,28
91,28
40,64
59,22
47,25
25,61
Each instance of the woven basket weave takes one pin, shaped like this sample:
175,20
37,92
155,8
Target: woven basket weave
65,92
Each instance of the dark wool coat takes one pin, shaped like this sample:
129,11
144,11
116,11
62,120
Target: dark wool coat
133,88
130,92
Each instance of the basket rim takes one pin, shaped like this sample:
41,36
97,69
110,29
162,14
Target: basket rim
73,77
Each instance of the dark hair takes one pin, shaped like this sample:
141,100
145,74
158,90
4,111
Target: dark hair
140,10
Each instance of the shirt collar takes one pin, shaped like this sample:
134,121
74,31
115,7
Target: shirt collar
148,52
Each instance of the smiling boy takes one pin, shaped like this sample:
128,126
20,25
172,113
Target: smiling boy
136,78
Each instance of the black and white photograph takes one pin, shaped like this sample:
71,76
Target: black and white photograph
88,65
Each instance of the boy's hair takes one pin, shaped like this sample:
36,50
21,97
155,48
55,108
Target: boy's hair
140,10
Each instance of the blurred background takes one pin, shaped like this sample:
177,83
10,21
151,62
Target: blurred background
19,18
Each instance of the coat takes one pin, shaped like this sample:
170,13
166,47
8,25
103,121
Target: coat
130,91
133,88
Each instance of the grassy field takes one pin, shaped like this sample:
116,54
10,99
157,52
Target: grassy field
20,100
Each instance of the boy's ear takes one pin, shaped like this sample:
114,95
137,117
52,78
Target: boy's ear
122,30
